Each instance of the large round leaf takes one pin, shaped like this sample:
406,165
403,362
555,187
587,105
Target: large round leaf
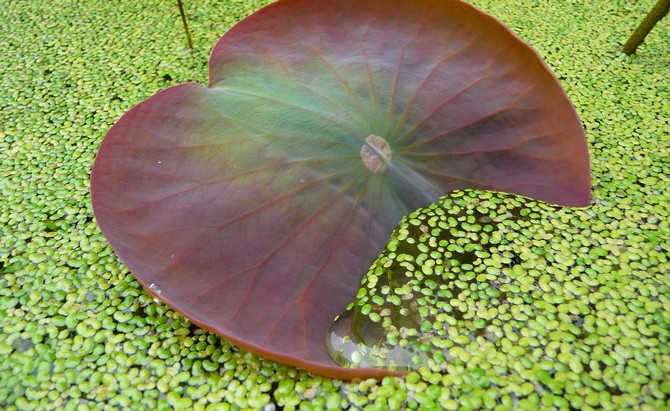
254,206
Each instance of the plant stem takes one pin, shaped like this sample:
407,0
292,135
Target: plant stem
183,20
659,11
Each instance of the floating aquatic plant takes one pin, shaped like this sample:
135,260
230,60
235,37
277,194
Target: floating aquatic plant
484,289
253,206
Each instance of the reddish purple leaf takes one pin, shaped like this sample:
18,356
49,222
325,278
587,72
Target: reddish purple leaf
256,205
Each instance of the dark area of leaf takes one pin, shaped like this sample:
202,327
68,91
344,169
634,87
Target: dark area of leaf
248,207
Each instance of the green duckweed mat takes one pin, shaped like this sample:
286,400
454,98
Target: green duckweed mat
78,332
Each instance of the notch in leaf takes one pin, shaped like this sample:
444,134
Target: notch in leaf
257,203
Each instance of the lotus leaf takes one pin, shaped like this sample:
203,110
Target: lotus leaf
255,205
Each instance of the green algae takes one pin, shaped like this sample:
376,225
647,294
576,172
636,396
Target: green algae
66,77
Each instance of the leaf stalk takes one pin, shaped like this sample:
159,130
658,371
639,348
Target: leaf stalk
183,20
659,11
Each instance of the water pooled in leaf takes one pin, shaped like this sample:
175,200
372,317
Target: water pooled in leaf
351,350
414,299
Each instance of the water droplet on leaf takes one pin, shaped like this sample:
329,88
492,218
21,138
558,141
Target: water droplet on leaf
154,291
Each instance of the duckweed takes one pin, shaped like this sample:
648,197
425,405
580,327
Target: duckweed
547,311
77,331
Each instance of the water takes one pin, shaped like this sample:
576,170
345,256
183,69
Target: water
412,300
350,350
155,291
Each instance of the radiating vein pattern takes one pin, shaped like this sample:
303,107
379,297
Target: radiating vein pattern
257,204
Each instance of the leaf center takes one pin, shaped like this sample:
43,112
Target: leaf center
375,153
